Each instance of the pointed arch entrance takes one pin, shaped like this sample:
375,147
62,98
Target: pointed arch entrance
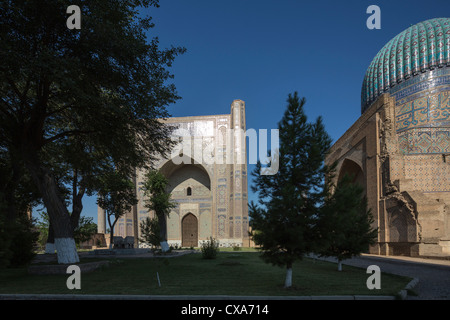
354,170
189,231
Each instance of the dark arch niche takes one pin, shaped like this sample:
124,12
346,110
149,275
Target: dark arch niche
353,169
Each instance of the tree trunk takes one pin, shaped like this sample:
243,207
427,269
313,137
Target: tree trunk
66,250
77,203
111,228
162,227
339,265
9,190
57,211
111,233
11,208
111,239
163,233
50,244
288,281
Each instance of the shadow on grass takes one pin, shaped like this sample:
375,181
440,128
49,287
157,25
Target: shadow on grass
231,273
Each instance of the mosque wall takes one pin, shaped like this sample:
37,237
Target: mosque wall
209,189
405,98
408,193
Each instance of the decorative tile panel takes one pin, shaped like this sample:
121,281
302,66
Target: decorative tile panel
429,173
421,48
425,141
429,110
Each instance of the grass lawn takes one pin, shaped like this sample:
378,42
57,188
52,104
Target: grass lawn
232,273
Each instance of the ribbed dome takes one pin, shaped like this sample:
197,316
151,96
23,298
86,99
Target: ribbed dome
420,48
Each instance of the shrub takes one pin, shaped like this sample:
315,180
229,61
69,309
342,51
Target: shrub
24,240
17,242
150,231
210,248
5,243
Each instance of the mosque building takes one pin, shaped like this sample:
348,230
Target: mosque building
399,148
208,186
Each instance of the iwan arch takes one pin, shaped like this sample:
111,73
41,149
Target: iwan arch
210,196
399,149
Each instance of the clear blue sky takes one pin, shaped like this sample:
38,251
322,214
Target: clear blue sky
262,50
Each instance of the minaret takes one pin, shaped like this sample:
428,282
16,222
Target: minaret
238,205
101,220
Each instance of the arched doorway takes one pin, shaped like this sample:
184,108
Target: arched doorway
189,231
190,188
354,171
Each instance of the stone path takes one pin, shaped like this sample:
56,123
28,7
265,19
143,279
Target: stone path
433,274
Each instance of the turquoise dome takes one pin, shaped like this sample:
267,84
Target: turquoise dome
421,48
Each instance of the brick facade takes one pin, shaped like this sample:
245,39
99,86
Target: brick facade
202,181
408,192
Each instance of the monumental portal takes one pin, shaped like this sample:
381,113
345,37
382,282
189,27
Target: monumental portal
207,174
399,149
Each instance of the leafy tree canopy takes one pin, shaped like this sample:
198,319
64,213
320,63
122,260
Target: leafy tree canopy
81,99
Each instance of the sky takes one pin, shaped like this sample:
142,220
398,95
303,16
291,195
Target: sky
259,51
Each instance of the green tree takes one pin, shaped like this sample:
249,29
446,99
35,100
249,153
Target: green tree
24,238
117,197
18,239
158,200
43,226
85,230
105,84
150,231
5,240
17,196
286,217
346,222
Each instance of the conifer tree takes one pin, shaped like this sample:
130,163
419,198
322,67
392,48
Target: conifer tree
285,218
346,222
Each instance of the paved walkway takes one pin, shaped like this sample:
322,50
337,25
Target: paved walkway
433,275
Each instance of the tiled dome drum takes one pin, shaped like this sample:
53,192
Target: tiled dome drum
421,48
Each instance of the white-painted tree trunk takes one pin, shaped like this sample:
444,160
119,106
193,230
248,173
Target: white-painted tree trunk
288,281
339,265
164,246
50,248
66,250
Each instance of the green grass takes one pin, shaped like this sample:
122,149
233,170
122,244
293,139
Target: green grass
232,273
